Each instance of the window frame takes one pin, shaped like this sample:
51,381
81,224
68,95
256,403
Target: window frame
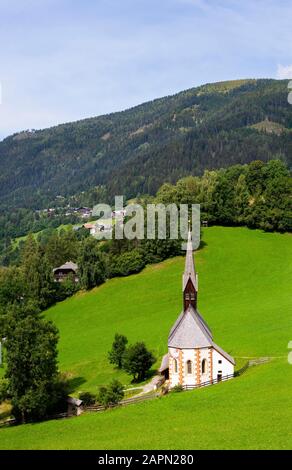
175,366
189,367
204,366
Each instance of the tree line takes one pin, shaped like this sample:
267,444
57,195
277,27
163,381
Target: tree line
257,195
32,381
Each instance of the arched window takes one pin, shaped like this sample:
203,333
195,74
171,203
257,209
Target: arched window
189,367
204,366
175,365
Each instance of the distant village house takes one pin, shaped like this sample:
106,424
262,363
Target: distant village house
83,212
67,269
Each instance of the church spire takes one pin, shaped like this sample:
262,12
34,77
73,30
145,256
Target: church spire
190,278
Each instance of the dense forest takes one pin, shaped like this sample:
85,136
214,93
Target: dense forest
135,151
258,195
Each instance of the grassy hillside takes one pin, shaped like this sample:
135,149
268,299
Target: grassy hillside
244,294
253,411
136,150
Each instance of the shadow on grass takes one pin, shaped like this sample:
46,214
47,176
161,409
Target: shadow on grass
202,245
75,383
148,376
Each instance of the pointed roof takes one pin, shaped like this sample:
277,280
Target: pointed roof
190,272
164,363
68,265
190,331
204,324
223,353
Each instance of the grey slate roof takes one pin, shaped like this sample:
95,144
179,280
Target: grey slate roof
190,331
204,324
224,354
74,401
164,363
189,264
68,265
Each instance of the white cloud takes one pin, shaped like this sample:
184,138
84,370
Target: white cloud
284,72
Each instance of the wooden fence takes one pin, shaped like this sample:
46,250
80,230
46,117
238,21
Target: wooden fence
141,398
126,401
208,382
218,380
14,422
8,422
242,370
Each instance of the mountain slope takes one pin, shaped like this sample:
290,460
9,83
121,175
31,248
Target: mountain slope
244,296
134,151
235,305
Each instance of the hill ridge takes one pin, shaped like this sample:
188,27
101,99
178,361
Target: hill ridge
161,140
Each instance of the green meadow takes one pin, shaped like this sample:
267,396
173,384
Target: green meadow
250,412
244,295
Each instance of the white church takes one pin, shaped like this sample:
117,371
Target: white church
193,358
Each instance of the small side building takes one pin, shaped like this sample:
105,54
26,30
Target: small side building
67,269
75,406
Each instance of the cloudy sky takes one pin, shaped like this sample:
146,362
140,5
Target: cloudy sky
63,60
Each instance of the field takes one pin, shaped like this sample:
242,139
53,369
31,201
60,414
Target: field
245,296
253,411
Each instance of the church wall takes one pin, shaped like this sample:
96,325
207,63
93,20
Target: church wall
174,377
196,356
189,355
226,368
204,354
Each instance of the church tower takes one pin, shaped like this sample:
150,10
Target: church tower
193,358
190,278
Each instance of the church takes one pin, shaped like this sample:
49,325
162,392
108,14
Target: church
193,358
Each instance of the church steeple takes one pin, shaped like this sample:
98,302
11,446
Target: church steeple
190,278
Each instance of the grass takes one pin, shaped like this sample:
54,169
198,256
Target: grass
244,294
18,240
270,127
253,411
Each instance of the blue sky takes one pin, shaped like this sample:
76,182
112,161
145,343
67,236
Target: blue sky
63,60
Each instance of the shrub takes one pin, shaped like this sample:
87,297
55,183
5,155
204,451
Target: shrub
87,398
127,263
4,390
138,360
118,350
177,388
111,395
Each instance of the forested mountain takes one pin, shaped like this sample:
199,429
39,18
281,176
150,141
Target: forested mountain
134,151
